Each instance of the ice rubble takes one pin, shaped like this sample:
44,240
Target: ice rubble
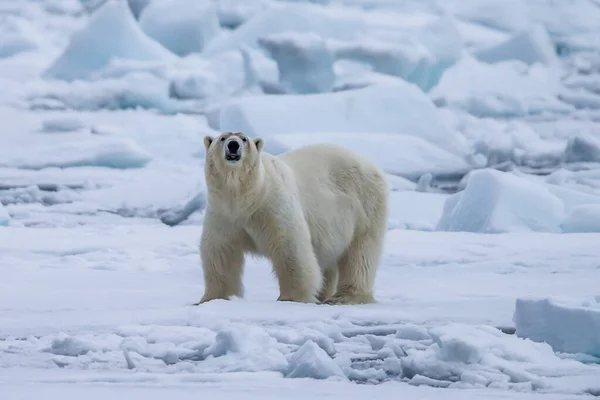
4,216
112,33
400,108
420,58
447,355
582,218
532,45
505,89
179,25
495,201
304,61
567,325
279,18
120,153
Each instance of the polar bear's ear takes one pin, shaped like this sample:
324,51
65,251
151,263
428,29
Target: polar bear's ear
259,143
208,141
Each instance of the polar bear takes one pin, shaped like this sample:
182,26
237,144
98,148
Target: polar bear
319,214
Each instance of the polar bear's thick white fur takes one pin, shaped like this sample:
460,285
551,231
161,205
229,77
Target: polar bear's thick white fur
319,214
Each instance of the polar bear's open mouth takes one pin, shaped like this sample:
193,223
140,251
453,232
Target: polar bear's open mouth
233,157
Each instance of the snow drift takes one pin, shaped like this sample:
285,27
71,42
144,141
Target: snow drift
112,33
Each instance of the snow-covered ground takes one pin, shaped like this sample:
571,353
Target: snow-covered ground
484,114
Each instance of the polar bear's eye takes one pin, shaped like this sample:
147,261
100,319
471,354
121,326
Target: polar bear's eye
223,139
244,139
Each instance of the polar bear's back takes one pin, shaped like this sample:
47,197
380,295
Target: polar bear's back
342,193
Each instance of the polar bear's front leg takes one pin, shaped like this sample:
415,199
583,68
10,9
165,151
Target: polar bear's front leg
286,241
297,269
222,265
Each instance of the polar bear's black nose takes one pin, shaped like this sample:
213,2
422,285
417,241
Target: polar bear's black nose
233,146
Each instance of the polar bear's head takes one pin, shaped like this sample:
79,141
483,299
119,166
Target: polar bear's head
232,150
232,161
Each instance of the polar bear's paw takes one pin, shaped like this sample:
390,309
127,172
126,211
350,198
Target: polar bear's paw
350,298
297,299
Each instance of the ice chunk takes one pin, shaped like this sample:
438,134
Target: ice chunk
288,18
583,218
137,6
398,154
304,62
179,25
531,46
504,89
582,149
233,13
64,124
400,108
215,79
420,58
4,216
112,33
16,35
572,198
506,15
400,184
177,215
568,326
102,151
311,361
135,90
495,201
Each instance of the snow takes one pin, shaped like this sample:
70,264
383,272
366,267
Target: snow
401,108
582,218
567,325
495,201
485,116
112,33
181,28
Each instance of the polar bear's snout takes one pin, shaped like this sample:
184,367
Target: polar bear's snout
233,149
